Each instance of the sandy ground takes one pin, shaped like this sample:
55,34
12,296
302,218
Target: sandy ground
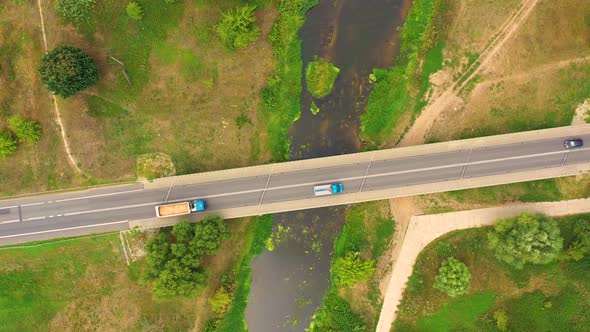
421,230
581,111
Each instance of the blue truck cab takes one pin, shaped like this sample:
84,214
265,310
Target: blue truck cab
198,205
337,188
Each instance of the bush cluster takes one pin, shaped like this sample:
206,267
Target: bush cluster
134,11
21,130
453,277
77,12
174,259
238,28
320,77
351,269
526,239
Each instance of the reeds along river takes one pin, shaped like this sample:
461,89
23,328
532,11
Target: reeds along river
356,36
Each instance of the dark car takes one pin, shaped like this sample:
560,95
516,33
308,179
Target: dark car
573,143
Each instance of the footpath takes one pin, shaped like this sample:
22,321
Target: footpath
421,230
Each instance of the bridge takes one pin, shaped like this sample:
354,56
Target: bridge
288,186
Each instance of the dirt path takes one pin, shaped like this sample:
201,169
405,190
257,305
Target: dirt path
422,230
57,113
416,134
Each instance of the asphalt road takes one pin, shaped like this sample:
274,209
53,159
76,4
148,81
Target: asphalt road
99,210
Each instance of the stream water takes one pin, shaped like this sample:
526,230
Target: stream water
355,35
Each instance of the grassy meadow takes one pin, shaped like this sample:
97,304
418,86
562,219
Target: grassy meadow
84,284
187,96
550,297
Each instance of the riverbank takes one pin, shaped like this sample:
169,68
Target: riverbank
399,92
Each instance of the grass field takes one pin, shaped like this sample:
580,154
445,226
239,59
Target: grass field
38,166
368,229
188,97
549,190
548,297
84,284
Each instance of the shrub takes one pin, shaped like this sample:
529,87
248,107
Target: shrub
220,301
8,144
25,129
453,277
526,239
134,11
155,165
501,320
238,27
320,77
77,12
67,70
581,244
351,269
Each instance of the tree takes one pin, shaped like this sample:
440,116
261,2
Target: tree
351,269
174,260
67,70
26,130
581,244
134,11
8,144
209,233
453,277
177,279
526,239
238,27
77,12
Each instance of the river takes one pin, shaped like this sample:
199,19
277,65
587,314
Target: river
355,35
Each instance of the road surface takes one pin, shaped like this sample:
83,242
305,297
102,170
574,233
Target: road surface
113,208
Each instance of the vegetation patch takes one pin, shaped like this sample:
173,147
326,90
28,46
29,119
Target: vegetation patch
320,77
238,28
281,96
353,300
155,165
502,296
398,92
237,283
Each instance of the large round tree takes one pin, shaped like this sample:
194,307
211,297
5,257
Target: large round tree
67,70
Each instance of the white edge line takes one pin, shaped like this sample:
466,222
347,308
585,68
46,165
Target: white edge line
62,229
9,221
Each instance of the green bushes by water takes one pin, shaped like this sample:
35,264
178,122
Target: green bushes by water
281,95
239,280
399,90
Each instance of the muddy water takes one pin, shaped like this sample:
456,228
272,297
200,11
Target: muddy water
355,35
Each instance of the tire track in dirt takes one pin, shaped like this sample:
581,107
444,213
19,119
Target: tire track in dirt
416,134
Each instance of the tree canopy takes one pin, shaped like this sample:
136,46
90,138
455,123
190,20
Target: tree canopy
453,277
67,70
238,28
581,243
174,259
526,239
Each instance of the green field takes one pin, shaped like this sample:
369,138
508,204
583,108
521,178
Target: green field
550,297
84,284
